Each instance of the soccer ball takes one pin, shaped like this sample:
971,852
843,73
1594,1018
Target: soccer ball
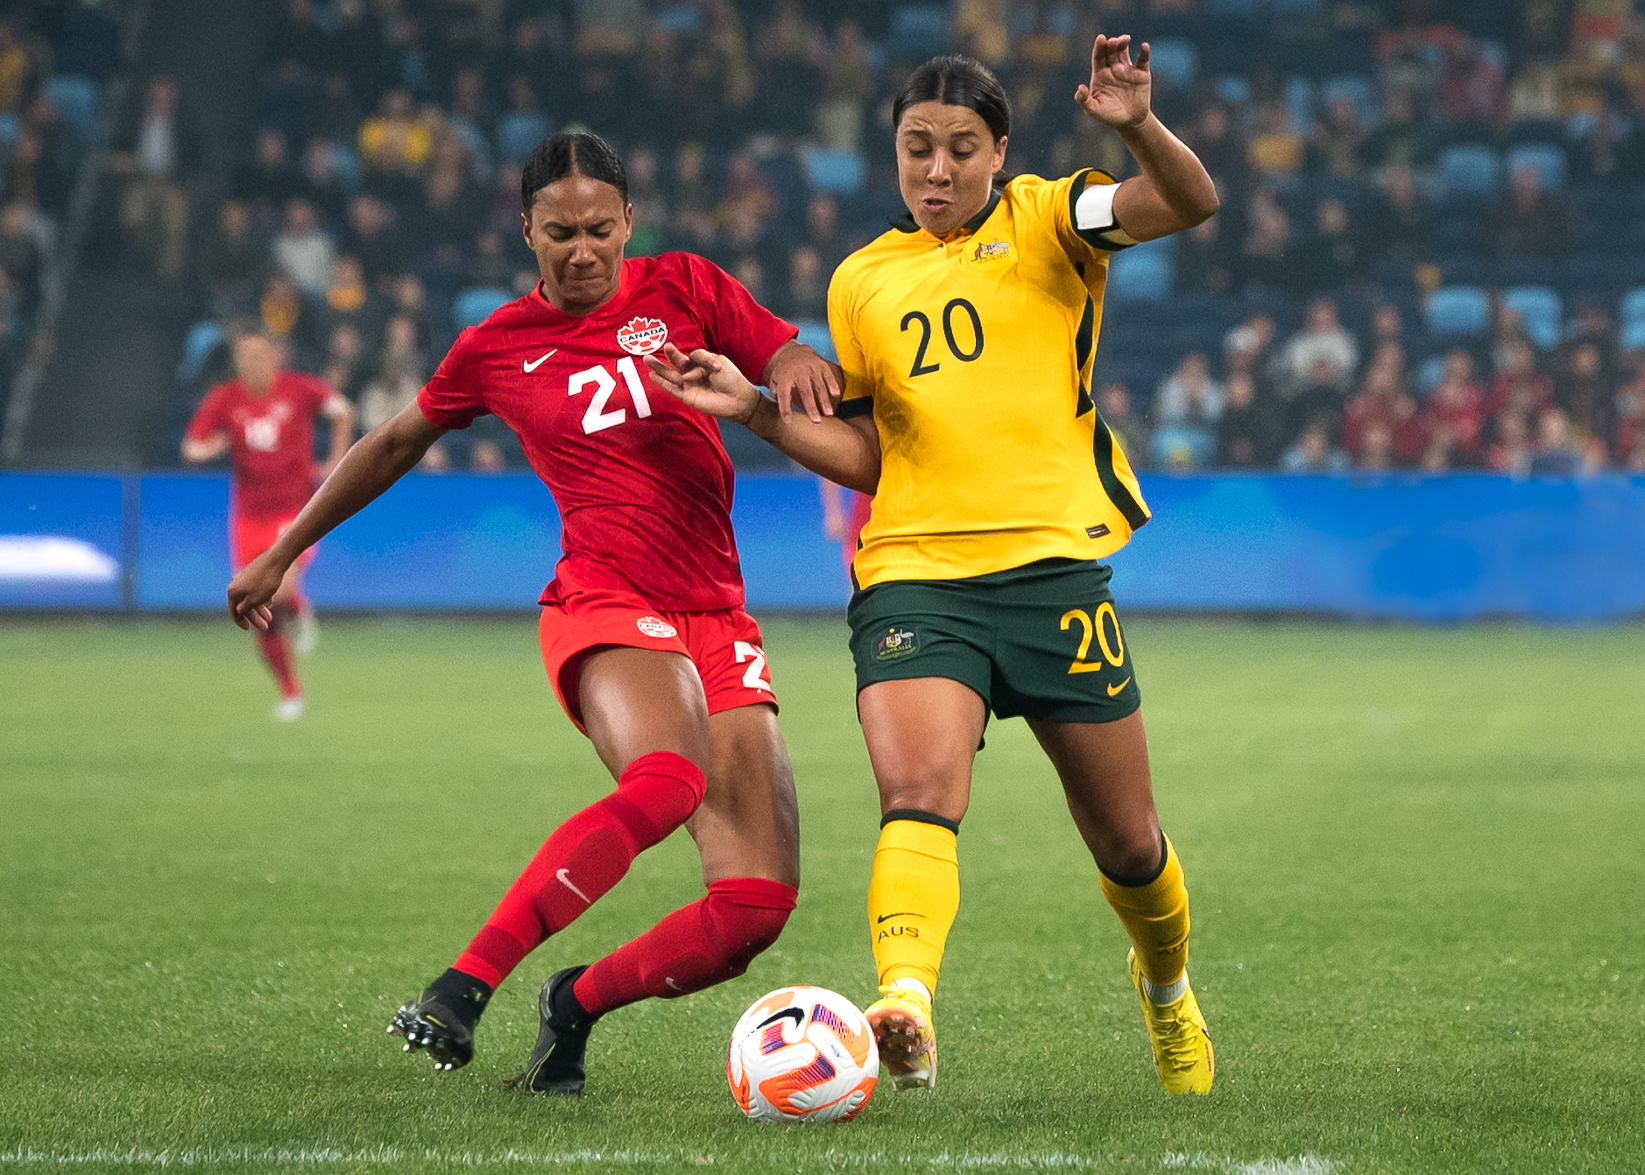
802,1054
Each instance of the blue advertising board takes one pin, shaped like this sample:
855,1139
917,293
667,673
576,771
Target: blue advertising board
1427,548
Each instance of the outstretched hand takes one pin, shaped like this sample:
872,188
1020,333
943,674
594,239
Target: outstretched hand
251,590
708,382
1119,93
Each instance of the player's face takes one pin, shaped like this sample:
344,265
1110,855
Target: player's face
577,227
255,361
946,160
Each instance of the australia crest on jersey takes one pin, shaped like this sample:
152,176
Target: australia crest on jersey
641,336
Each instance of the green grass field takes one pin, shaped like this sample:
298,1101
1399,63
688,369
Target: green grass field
1415,856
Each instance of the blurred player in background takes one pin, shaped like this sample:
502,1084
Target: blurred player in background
966,338
264,420
643,633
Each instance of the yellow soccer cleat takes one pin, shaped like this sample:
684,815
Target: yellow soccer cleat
1182,1047
906,1034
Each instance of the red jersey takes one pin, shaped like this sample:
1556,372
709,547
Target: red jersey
271,440
642,481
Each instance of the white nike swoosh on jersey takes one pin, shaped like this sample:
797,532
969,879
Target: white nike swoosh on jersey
536,363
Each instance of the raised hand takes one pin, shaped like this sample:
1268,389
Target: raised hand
708,382
1119,92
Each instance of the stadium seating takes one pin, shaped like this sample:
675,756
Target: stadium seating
1470,170
839,170
1541,309
1632,307
1143,273
1176,61
1453,311
75,98
198,344
918,31
472,306
1546,159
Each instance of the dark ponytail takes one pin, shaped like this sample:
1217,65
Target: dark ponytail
957,80
572,153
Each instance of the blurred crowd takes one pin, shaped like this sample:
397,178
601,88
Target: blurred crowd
55,58
1433,212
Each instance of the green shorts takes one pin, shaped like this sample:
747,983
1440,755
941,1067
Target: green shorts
1041,641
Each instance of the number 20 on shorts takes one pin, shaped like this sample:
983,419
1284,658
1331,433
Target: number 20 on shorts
1096,626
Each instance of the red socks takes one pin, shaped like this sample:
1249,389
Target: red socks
582,859
277,655
709,941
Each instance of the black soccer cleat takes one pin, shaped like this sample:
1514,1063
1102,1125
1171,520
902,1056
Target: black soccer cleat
556,1065
429,1024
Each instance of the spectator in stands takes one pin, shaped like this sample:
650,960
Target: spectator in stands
154,209
1131,431
824,233
233,262
395,146
1591,326
267,181
524,126
18,68
1214,139
1245,429
1322,339
371,236
1516,385
1206,259
1336,140
693,225
1267,238
338,115
1276,150
1556,453
21,257
1380,425
303,249
469,115
401,370
46,158
1509,450
1628,419
848,86
1401,139
1186,410
807,286
1333,255
1313,451
1531,221
288,99
349,300
289,320
650,202
1451,419
489,264
1387,326
1401,223
1582,391
11,328
322,182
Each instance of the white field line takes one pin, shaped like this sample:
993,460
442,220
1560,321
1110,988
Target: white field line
830,1160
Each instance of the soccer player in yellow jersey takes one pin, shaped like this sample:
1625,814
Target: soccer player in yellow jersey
966,338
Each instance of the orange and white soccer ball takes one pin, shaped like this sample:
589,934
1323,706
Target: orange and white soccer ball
802,1054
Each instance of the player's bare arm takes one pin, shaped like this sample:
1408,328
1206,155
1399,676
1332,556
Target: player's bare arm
845,451
198,452
377,461
796,374
1174,191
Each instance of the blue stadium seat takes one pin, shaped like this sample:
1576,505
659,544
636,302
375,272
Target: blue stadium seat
1632,307
1546,159
1458,310
1175,61
1542,310
474,305
518,133
1234,89
1633,335
198,344
1470,170
1299,102
11,129
840,170
1143,273
919,31
1428,374
1355,87
75,98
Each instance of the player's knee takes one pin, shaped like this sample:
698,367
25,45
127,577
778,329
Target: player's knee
745,916
1131,857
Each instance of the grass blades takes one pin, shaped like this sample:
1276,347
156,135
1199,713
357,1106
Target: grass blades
1414,857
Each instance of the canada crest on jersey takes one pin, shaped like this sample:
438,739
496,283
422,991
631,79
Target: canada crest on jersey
641,336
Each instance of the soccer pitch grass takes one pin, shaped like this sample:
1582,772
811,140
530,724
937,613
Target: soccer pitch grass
1415,859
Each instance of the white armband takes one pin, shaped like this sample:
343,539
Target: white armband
1094,219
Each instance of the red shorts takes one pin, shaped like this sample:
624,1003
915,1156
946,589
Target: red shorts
725,646
250,537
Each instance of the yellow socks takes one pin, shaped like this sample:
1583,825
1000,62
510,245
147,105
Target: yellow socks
1155,915
913,896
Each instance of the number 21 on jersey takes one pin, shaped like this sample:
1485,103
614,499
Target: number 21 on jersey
599,417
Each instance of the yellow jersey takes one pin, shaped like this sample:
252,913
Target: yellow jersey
974,356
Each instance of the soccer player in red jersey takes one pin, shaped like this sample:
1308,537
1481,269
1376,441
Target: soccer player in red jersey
642,629
264,420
